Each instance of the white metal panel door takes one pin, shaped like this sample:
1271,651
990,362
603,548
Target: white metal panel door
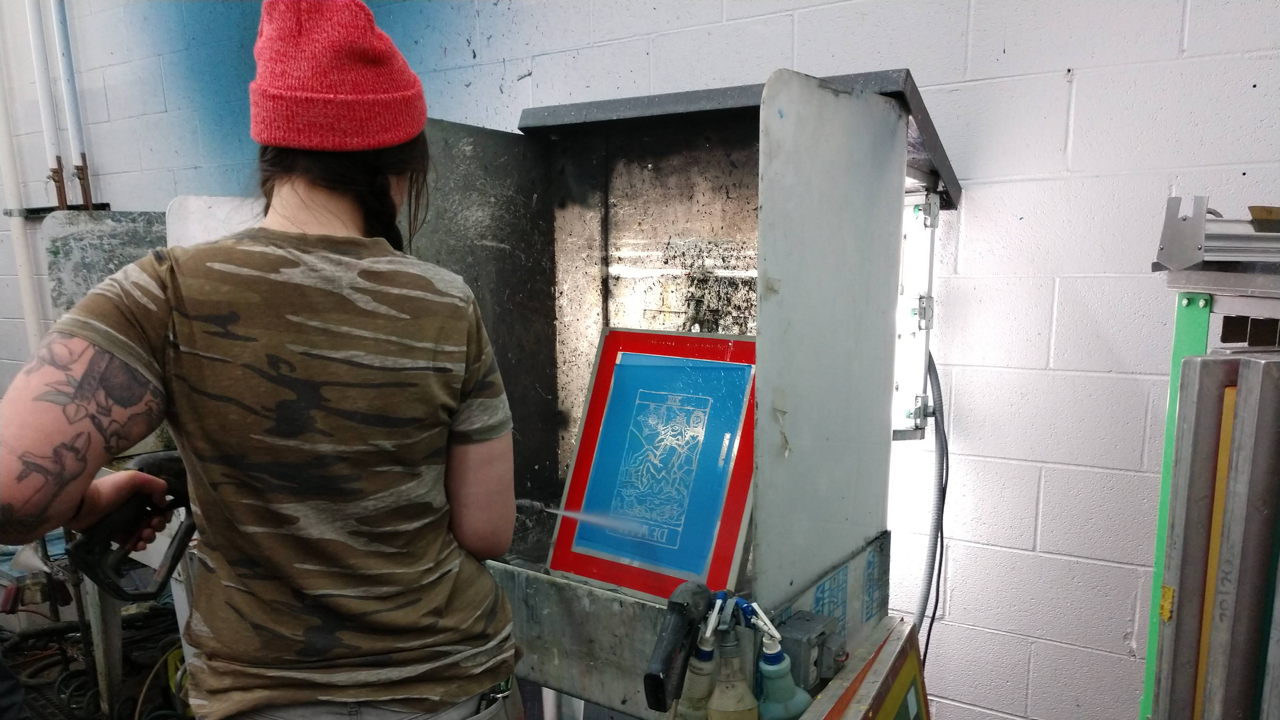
832,167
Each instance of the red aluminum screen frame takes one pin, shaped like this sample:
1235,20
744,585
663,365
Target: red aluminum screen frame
724,552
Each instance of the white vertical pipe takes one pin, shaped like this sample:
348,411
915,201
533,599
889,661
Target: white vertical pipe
13,209
67,69
44,89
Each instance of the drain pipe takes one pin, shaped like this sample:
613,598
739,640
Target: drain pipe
71,99
17,217
44,91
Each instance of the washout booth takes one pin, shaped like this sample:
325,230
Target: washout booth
797,216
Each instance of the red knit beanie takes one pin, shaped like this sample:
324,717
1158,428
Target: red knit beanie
329,79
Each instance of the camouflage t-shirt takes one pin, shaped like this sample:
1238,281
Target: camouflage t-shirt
313,386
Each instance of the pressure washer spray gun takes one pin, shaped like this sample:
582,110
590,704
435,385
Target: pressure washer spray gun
99,552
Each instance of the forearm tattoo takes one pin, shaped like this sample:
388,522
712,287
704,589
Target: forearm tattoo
119,403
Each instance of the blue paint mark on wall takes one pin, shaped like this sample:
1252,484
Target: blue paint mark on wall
205,48
206,54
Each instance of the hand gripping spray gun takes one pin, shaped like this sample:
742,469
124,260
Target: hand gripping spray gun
93,555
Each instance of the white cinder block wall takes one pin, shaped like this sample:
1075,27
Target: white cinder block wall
1069,124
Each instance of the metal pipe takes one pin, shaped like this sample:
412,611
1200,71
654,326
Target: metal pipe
71,99
44,93
17,223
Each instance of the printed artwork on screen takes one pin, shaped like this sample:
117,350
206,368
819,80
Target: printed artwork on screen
662,469
667,447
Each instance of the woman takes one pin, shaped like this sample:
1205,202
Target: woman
336,402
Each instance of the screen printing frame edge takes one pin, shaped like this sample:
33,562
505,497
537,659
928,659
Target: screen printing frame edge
727,549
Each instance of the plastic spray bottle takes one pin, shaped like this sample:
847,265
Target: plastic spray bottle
701,678
782,699
732,698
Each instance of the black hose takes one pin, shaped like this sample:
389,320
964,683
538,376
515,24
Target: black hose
28,678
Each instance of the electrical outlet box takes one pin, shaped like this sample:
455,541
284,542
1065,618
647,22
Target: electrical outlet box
814,645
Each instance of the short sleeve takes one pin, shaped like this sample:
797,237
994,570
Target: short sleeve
483,413
128,315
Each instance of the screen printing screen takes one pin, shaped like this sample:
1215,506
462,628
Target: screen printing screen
658,491
667,445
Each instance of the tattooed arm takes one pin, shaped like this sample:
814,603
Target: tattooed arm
73,408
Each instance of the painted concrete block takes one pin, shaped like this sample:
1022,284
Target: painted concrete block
906,574
101,6
1157,417
1072,601
157,27
1050,417
882,35
616,70
8,371
169,140
738,9
212,23
208,75
618,19
1141,627
152,190
100,40
1016,38
113,146
1003,128
943,710
738,53
992,502
431,35
1004,322
978,667
13,340
1114,324
1062,227
1230,191
92,89
1231,26
988,502
1106,516
486,95
1071,683
224,134
517,29
134,89
235,180
1172,115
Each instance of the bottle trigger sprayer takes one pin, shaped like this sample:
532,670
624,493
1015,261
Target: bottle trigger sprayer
702,673
781,699
732,698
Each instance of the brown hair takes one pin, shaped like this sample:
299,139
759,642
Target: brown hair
364,175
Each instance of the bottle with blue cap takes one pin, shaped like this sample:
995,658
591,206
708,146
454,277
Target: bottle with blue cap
782,700
701,677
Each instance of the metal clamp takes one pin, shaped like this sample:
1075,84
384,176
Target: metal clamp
920,411
924,313
932,208
15,212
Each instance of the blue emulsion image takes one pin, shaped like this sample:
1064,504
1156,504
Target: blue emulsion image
831,598
663,461
873,595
